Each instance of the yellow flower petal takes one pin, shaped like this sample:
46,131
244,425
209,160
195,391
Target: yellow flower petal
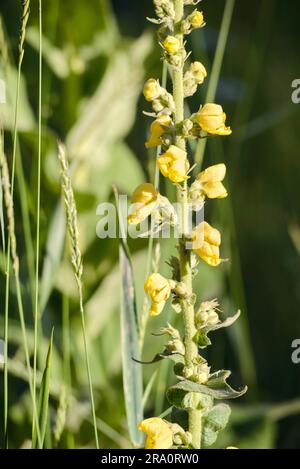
215,190
157,130
173,164
157,287
212,119
196,19
214,173
159,433
172,45
156,308
144,194
206,242
152,90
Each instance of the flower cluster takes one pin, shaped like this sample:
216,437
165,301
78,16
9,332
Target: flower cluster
170,131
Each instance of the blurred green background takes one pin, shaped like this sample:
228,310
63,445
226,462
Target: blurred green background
97,55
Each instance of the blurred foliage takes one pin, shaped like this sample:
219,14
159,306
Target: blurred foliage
96,57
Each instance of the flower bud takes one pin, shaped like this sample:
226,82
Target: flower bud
172,45
206,243
196,19
158,288
207,314
202,373
152,90
173,164
175,346
212,118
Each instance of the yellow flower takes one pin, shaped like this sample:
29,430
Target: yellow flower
206,243
158,288
173,164
145,198
199,72
172,45
152,90
159,434
211,181
157,130
196,19
212,119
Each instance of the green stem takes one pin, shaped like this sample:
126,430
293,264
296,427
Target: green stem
191,351
88,368
36,299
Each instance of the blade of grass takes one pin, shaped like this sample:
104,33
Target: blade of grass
76,259
1,198
216,70
132,371
149,388
15,263
114,436
44,396
6,62
38,209
10,190
67,360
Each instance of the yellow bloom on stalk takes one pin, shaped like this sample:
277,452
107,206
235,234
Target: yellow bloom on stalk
198,71
152,90
159,433
212,120
172,45
206,243
211,181
145,198
158,288
196,19
157,130
173,164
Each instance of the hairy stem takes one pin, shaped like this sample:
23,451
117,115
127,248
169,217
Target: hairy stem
191,350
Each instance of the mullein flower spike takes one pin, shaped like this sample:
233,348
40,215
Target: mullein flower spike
170,130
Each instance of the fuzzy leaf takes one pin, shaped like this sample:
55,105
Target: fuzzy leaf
216,387
216,420
132,373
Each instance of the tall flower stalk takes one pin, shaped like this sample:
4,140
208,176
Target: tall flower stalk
197,387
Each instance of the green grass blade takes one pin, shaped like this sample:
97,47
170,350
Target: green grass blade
44,396
149,388
132,371
216,70
38,209
1,199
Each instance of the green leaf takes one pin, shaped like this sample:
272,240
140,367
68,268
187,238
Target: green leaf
1,212
183,400
57,59
216,420
44,396
217,387
117,93
26,120
132,371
